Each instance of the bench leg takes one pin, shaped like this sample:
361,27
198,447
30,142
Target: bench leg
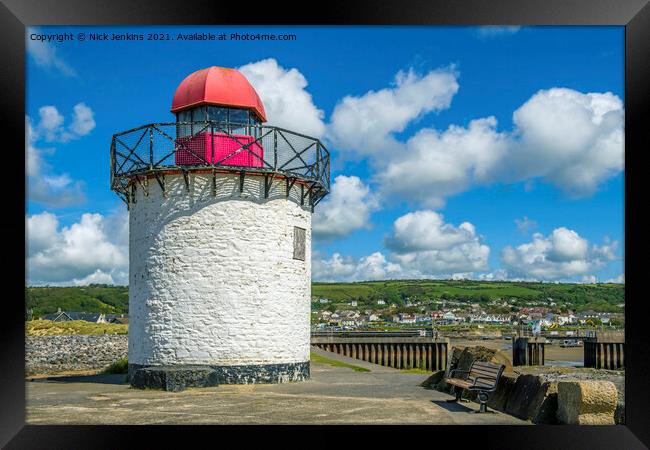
459,392
483,398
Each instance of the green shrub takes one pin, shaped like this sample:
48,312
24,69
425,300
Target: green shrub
119,366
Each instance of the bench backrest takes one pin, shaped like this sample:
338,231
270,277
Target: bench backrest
489,373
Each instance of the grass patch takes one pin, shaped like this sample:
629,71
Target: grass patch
49,328
119,366
332,362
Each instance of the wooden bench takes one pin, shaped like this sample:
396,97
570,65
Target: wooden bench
482,377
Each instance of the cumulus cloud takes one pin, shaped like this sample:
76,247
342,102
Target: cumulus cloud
45,55
346,209
93,250
340,268
83,120
365,124
434,165
50,126
572,140
287,102
44,185
561,255
421,245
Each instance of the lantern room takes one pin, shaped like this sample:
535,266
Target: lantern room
218,112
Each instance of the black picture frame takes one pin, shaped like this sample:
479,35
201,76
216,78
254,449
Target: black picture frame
15,15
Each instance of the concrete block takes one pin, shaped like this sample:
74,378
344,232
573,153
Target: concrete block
587,402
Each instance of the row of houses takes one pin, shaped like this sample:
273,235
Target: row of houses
65,316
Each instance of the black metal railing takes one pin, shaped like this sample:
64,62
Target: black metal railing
156,149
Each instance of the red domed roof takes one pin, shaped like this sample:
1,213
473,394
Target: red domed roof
217,86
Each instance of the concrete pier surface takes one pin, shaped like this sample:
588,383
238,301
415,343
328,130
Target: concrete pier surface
333,395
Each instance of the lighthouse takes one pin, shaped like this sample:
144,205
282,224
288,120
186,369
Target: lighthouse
220,211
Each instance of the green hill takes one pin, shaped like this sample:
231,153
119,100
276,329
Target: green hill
579,297
92,298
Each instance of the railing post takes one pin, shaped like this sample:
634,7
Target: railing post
151,147
212,143
112,161
275,149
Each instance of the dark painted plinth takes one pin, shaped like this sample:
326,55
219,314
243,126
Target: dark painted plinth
177,378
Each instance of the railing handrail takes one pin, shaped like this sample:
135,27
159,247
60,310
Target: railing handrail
308,161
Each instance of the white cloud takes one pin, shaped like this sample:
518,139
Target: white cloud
346,209
572,140
339,268
51,124
82,121
490,31
286,100
89,251
525,225
562,255
363,125
56,191
45,186
435,165
101,277
45,55
619,279
422,246
589,279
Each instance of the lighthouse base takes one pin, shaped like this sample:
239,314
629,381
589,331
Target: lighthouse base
177,378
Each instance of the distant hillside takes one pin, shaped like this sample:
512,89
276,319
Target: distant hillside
598,297
93,298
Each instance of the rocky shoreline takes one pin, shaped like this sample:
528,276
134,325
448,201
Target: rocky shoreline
69,353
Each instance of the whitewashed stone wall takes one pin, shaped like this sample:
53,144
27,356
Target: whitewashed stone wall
213,279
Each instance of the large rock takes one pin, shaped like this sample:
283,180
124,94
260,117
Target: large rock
532,398
545,404
499,398
587,402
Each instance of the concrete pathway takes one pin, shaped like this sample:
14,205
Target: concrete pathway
333,395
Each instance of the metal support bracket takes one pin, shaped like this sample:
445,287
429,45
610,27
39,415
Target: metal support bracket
268,182
290,185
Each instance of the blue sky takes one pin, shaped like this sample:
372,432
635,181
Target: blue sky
546,152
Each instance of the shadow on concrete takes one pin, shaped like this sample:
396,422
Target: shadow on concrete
101,379
452,407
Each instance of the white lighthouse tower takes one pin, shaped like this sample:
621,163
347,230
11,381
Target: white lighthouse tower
220,238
